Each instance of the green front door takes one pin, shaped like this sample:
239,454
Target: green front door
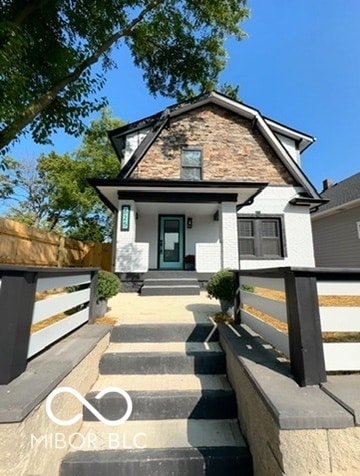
171,242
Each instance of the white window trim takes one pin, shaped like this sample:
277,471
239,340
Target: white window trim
358,228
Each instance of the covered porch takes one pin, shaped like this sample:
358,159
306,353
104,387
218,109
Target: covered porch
176,225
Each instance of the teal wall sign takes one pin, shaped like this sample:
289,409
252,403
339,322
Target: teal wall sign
125,218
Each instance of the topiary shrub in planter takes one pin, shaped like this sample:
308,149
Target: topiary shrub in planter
108,285
221,286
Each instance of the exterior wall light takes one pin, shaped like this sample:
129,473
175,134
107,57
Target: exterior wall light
189,223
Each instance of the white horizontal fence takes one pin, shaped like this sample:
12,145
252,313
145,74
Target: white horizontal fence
340,355
54,305
310,357
275,309
19,311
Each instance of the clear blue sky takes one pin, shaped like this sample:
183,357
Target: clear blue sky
299,66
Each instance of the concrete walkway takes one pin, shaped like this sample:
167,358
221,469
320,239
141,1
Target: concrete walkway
130,308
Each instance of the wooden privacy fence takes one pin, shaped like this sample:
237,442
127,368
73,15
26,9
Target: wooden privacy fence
306,320
25,245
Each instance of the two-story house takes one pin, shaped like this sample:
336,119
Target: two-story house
212,178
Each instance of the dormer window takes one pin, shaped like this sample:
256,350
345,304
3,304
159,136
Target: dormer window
191,163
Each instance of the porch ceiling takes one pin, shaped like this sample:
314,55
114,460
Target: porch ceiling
174,191
190,209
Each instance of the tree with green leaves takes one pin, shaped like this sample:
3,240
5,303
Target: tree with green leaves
53,193
27,193
48,47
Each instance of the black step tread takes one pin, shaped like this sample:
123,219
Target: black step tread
209,461
170,281
185,290
169,404
164,333
200,362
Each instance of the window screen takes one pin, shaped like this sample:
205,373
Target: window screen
260,237
191,164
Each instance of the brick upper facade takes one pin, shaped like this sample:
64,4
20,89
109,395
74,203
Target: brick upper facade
232,149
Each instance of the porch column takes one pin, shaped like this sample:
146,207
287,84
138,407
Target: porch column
131,257
229,235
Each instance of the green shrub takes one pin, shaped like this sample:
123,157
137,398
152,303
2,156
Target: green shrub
248,288
221,285
108,285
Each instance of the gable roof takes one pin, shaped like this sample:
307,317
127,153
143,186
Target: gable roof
267,127
341,194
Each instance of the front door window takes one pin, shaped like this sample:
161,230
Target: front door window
171,242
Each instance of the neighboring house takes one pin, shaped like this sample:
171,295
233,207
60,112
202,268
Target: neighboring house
210,177
336,225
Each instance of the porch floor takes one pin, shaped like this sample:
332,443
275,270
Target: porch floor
130,308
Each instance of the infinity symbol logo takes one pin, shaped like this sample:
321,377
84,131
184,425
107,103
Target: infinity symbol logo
93,410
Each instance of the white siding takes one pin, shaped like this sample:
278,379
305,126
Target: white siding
336,239
297,223
290,146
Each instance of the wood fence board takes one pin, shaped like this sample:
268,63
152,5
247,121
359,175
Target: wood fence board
25,245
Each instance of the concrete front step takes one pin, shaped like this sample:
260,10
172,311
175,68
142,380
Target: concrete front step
151,405
170,287
171,433
160,383
209,461
197,332
164,347
183,419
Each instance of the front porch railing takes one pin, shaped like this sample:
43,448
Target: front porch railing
298,308
19,311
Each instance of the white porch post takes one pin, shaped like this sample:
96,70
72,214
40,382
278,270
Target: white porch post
229,235
131,257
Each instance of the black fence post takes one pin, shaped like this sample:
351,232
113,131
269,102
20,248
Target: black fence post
237,298
93,293
305,340
17,298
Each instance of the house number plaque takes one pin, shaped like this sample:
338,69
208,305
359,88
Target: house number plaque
125,217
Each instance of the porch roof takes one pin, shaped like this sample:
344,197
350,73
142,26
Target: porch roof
178,191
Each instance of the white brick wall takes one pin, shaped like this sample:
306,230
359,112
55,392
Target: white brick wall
208,257
229,236
130,257
298,233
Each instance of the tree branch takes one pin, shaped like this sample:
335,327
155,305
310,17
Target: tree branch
12,130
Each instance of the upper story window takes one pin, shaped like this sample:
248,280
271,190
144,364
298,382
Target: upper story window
191,163
261,237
